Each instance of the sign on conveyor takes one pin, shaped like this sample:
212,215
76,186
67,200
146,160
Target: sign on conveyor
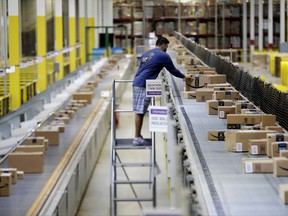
158,119
153,88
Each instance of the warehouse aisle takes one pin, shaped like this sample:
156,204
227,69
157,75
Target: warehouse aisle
96,200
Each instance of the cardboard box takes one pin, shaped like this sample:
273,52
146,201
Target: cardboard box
283,153
217,135
204,94
89,87
268,120
75,106
224,110
85,89
68,112
213,105
219,85
38,140
49,132
283,193
183,52
274,137
59,124
198,71
84,102
234,121
226,95
201,67
5,184
189,94
258,166
225,88
238,140
257,146
216,78
251,111
277,129
44,142
29,162
192,62
277,147
30,148
243,105
253,127
280,166
181,59
13,172
20,175
201,80
93,82
195,82
88,96
62,117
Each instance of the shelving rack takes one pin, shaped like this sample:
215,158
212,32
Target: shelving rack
214,25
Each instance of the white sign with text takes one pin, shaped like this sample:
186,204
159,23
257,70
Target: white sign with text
158,119
153,88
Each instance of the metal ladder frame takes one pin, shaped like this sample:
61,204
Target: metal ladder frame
114,157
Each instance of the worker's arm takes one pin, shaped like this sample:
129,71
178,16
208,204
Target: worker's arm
168,64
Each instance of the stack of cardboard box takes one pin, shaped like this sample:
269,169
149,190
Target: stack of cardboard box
9,177
248,128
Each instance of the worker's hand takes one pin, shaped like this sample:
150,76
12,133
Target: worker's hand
188,76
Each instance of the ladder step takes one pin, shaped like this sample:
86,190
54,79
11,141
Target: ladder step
132,199
133,182
133,164
128,144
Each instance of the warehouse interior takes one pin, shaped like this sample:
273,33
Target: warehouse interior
219,146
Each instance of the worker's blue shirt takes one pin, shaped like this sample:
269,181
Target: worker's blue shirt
152,62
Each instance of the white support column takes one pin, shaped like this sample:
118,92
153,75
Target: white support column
97,19
91,22
82,33
252,29
287,20
41,32
244,35
59,36
260,30
216,29
98,15
282,21
72,33
107,14
270,24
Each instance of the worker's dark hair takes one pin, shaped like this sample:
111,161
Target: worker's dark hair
162,40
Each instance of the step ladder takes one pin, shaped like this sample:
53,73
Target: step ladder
117,165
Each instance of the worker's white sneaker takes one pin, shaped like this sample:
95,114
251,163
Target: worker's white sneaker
140,141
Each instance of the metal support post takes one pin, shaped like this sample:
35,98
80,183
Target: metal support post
153,156
4,14
171,141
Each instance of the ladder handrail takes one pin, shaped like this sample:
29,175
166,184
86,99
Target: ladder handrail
114,156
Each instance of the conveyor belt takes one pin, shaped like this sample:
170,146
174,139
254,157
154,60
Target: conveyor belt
27,190
232,192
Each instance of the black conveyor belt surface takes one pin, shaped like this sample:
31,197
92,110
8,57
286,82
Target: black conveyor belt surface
232,191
